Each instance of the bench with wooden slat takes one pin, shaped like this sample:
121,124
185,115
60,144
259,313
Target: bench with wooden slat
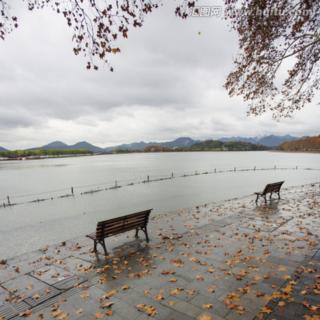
270,188
135,221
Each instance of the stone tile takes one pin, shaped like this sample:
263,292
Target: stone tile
77,265
25,286
51,274
187,308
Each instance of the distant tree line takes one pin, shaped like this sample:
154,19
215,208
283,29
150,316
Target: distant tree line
208,145
41,152
311,144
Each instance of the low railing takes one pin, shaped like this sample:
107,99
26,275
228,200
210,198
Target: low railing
13,200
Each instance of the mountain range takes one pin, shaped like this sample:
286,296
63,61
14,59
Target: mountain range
268,141
177,143
182,142
59,145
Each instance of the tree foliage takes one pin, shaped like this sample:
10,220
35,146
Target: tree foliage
277,66
42,152
275,34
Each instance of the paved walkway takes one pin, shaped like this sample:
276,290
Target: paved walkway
230,260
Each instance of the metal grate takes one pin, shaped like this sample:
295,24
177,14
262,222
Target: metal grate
43,295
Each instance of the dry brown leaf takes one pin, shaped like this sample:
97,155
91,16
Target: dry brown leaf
26,313
176,291
149,310
109,294
266,310
107,304
159,296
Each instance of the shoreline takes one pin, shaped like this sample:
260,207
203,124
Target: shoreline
153,152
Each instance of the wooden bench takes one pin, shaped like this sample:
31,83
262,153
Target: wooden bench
135,221
269,188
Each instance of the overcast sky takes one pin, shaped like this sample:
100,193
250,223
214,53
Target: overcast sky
168,82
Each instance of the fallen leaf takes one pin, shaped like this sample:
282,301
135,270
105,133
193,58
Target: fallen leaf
149,310
26,313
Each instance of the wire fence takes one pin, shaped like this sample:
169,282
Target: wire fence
72,191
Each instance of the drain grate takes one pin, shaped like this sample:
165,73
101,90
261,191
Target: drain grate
8,311
42,296
69,283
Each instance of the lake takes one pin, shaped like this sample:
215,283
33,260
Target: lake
29,226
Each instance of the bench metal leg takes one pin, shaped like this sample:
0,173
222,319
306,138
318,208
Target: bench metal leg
137,231
265,199
103,244
270,196
95,246
146,233
257,198
279,195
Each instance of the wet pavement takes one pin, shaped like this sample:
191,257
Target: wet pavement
228,260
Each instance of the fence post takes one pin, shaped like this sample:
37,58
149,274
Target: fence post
215,170
72,191
254,169
148,179
9,203
234,169
171,175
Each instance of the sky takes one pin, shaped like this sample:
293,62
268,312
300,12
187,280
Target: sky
168,82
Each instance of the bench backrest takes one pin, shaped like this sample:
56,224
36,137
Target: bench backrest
125,223
272,187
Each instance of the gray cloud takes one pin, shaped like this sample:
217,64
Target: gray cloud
168,82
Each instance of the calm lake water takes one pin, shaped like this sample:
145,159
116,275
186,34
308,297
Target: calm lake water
29,226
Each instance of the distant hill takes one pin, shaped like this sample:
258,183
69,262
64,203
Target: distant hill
140,146
58,145
3,149
274,141
54,145
303,144
86,146
216,145
269,141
